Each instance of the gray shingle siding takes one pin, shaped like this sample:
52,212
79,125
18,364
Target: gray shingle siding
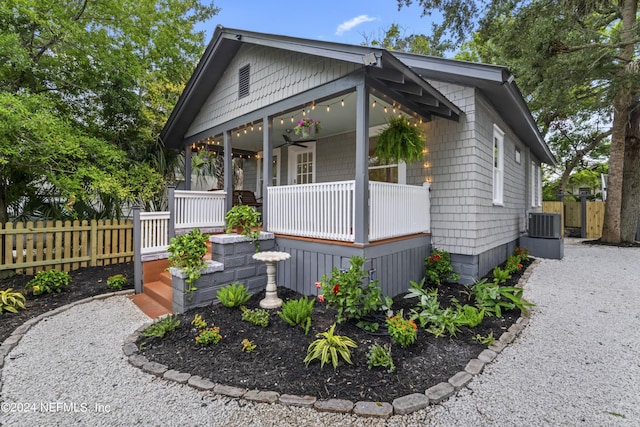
275,75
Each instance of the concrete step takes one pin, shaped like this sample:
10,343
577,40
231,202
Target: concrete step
149,306
160,292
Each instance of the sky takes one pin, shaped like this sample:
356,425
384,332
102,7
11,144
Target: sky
342,21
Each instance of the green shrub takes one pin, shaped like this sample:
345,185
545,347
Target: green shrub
162,327
468,315
116,282
402,331
257,316
298,312
328,347
46,282
431,316
494,298
208,336
11,301
345,291
438,267
233,295
379,355
187,253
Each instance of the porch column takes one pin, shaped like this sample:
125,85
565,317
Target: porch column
361,224
267,166
228,170
187,167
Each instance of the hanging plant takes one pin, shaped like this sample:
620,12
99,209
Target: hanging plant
400,141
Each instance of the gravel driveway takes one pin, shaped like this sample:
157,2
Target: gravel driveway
577,363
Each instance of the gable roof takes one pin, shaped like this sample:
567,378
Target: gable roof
404,74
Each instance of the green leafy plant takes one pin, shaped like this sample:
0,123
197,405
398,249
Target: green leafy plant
49,281
500,275
244,219
400,141
199,322
116,282
494,298
403,331
428,312
298,312
513,264
345,291
380,355
468,315
257,316
233,295
521,253
209,336
329,347
438,267
162,327
488,340
248,346
187,252
11,301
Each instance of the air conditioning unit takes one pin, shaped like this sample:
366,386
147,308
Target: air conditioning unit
545,225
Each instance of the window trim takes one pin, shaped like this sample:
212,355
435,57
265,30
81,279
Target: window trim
497,145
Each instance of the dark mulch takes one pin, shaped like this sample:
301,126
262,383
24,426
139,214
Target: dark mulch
277,362
85,282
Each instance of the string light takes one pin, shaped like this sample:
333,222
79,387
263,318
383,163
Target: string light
374,104
291,119
385,109
342,102
328,108
281,121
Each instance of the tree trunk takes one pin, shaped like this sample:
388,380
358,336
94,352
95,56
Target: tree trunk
630,211
622,105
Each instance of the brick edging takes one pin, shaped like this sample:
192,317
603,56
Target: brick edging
400,406
12,340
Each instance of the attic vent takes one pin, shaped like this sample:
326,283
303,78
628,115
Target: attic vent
243,82
544,225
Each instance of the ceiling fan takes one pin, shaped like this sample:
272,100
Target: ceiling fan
289,141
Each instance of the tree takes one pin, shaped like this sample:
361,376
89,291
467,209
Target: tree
101,73
394,39
576,62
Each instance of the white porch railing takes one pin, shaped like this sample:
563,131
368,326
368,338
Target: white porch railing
323,211
326,210
202,209
398,210
154,228
199,209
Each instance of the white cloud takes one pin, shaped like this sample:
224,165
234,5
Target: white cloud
347,25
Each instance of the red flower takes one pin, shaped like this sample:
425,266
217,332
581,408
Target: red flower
431,259
318,284
519,266
438,257
321,298
336,288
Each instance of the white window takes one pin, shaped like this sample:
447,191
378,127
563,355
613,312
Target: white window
498,166
302,162
536,185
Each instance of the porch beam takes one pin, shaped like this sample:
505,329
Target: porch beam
407,87
267,166
228,170
361,208
422,110
386,74
337,87
426,100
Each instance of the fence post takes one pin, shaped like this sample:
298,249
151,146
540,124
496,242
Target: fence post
94,243
138,282
172,211
583,214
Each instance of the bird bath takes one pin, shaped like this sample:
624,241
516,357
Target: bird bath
270,258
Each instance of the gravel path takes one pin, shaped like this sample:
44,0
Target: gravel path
577,363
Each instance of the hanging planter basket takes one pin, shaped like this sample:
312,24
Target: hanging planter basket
400,141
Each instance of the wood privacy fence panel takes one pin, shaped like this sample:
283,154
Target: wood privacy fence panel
595,219
35,246
571,213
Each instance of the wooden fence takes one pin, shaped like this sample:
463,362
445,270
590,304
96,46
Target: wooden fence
34,246
571,215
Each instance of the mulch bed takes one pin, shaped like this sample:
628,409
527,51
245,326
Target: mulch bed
85,282
277,362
